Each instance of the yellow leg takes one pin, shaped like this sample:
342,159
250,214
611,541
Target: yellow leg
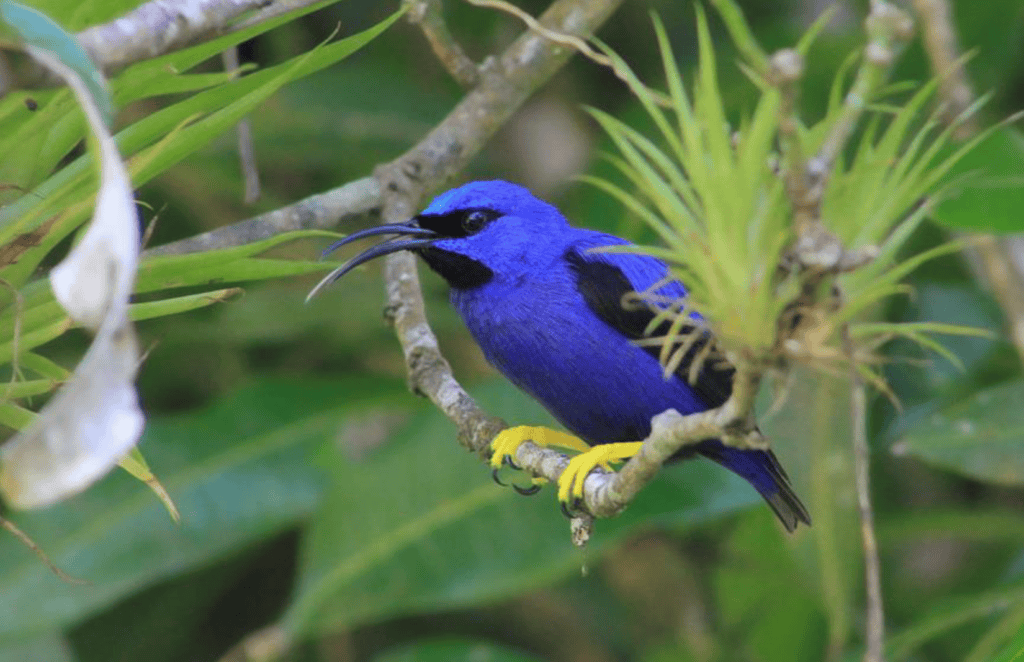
509,440
570,484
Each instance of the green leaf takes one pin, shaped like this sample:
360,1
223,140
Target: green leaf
814,424
1014,650
973,525
170,622
444,650
987,194
759,595
175,305
67,192
424,528
981,437
15,416
26,389
42,647
40,31
1007,634
152,77
950,614
135,464
239,472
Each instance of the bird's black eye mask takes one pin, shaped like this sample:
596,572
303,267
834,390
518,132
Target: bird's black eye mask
458,224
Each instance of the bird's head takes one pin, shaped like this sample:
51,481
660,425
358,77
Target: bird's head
471,235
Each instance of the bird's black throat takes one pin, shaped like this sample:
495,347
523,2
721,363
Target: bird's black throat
461,272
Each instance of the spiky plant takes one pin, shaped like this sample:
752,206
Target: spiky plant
725,201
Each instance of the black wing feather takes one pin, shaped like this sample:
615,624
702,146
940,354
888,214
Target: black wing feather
603,285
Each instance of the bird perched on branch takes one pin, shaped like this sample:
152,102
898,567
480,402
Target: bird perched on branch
547,310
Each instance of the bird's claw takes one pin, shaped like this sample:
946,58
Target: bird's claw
527,491
494,477
571,510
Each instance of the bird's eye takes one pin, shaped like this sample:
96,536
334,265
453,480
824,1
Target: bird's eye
474,221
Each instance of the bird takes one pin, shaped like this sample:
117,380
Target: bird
544,301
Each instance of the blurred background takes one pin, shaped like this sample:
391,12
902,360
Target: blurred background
317,494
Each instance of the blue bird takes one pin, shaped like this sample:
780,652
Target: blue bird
546,310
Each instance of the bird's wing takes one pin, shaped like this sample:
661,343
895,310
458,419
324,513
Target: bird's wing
604,278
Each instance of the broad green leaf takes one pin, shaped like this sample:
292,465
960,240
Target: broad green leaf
447,649
759,595
814,423
1014,650
987,188
973,525
1007,634
42,647
418,525
171,621
981,437
239,471
941,618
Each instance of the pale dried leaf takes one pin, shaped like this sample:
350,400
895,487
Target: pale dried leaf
94,420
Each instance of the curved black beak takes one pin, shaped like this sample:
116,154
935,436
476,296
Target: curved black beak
410,229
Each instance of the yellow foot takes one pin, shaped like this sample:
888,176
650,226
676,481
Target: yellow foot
509,440
570,484
505,445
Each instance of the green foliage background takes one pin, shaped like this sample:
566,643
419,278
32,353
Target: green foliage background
317,494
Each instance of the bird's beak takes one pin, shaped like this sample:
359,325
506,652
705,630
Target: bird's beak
423,238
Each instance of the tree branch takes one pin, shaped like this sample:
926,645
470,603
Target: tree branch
158,27
162,26
427,14
322,211
941,44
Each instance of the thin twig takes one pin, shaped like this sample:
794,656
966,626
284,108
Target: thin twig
38,551
580,45
943,49
246,152
992,259
428,15
874,634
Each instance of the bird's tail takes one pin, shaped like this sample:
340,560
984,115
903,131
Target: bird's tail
762,470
